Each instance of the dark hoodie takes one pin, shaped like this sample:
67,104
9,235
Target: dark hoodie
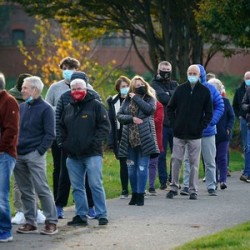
238,97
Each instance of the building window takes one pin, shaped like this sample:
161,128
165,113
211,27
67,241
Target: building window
18,35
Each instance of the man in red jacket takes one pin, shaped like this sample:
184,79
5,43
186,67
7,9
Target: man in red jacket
9,124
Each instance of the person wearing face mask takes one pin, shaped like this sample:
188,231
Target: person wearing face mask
83,127
138,141
114,103
246,107
37,132
190,111
164,87
68,66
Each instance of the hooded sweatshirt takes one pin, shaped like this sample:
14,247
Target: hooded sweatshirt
218,105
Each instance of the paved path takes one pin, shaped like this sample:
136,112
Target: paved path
160,224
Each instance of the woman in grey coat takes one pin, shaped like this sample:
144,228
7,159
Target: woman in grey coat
138,141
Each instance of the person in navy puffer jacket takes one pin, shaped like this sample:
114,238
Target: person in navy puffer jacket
208,148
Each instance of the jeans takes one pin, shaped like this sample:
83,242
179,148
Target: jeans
77,169
137,169
243,133
162,161
246,171
7,164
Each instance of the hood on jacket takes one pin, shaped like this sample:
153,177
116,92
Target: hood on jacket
203,74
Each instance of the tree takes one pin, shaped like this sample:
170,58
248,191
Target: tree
224,24
167,27
54,43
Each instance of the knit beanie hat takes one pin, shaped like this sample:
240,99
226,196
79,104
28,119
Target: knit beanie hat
20,79
79,75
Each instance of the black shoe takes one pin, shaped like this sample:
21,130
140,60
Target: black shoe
184,191
152,191
212,192
193,196
140,199
133,200
163,186
103,221
223,185
124,194
245,178
171,194
78,221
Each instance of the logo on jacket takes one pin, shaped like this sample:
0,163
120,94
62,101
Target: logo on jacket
84,116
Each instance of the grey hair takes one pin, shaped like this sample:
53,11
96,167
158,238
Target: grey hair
248,72
217,83
78,81
2,81
35,82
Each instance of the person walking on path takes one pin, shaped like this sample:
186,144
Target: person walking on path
61,183
138,141
9,125
114,103
208,148
222,138
246,107
190,111
83,127
37,132
19,216
164,87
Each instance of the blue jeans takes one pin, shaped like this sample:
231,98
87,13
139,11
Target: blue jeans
243,133
77,168
137,169
7,164
246,171
162,161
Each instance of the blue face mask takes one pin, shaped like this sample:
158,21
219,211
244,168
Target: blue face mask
193,79
247,82
124,91
29,99
67,73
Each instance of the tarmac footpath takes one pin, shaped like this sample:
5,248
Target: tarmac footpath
160,224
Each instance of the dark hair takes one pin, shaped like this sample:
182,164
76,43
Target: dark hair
2,81
70,63
20,79
119,81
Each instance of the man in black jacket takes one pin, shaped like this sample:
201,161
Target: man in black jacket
164,88
83,127
190,111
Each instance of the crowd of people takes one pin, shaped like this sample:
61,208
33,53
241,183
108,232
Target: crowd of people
195,119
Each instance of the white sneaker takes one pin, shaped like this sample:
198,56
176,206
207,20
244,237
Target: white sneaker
18,218
40,217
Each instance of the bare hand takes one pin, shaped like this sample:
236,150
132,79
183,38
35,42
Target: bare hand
131,94
137,120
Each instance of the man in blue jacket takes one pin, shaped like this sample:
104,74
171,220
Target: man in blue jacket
208,148
37,132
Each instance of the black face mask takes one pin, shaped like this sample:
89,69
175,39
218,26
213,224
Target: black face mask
141,90
166,75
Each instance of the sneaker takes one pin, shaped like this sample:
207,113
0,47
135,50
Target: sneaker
193,196
124,194
60,212
204,179
245,178
212,192
91,214
27,229
228,173
103,221
152,192
171,194
163,187
6,237
49,229
184,191
40,217
78,221
18,218
223,185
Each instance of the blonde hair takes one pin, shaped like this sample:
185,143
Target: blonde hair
149,90
217,84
